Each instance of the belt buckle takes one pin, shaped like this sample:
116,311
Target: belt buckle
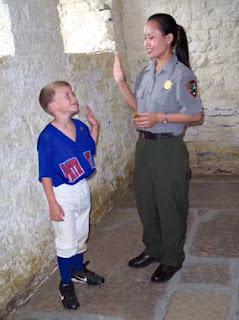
150,135
166,135
143,133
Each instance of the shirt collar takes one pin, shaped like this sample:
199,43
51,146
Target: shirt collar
168,67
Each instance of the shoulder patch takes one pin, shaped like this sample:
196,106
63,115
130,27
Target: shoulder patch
191,87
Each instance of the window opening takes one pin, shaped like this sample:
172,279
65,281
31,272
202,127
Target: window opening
7,47
86,26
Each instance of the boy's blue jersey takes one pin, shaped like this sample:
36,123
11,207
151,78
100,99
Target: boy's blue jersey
62,159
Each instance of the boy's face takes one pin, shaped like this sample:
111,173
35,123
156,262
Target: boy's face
65,101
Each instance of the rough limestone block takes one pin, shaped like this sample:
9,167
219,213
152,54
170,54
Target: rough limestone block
212,241
210,274
198,306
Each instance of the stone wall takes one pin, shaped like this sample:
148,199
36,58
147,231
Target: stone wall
213,33
26,245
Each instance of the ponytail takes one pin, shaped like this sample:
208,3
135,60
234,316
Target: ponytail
181,49
167,25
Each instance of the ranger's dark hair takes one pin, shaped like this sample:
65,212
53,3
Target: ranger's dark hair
167,25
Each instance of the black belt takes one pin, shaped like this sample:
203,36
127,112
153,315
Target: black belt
154,136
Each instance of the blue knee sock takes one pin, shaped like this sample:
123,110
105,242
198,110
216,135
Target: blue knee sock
65,269
77,262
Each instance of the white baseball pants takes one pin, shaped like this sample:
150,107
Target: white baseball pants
72,233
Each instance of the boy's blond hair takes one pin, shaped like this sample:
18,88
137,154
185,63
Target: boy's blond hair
48,92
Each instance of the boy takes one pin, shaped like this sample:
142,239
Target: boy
66,149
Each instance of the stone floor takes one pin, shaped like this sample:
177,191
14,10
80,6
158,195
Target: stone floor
206,288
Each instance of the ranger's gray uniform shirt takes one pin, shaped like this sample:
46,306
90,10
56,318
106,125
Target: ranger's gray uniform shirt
173,89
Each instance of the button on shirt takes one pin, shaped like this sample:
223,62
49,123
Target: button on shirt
173,89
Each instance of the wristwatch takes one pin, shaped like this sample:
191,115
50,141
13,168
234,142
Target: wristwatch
165,118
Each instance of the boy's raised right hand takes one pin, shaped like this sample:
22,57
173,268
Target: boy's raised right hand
56,212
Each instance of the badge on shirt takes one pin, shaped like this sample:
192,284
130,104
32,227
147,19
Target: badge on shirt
191,87
167,84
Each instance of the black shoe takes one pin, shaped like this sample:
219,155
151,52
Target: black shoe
68,296
87,276
164,273
142,260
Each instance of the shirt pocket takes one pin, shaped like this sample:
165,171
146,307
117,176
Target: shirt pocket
165,101
142,99
140,93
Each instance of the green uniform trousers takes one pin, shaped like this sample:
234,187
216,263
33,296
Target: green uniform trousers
161,180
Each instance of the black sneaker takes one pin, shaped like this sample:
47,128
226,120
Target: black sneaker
87,276
68,296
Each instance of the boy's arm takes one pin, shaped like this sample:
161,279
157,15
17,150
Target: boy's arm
94,131
55,210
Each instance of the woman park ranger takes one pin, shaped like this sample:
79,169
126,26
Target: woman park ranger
165,100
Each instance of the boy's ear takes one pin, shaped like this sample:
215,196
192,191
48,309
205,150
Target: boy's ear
52,107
